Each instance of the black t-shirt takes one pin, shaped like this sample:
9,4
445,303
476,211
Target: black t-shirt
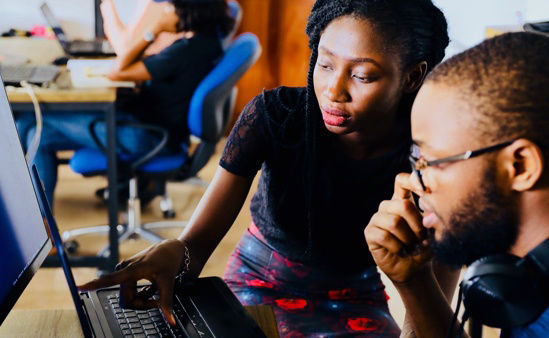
269,135
176,72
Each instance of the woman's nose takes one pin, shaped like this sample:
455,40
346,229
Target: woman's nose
336,90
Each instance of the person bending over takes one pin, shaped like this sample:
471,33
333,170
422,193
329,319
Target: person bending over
490,100
167,81
146,15
328,154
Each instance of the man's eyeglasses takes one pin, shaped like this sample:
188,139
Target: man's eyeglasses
419,163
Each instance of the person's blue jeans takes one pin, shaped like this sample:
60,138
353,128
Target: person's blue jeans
70,131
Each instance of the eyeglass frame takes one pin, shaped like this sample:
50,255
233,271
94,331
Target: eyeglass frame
421,161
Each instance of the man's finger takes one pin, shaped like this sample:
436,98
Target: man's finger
111,279
396,225
165,287
409,213
377,237
403,186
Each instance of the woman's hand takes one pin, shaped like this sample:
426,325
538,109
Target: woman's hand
159,264
396,236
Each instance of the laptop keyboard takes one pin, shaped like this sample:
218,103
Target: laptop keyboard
143,323
33,74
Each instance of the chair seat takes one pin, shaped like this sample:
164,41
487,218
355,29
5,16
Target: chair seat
88,161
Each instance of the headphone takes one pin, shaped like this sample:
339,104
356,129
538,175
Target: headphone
506,291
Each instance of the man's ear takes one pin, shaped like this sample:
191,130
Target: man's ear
414,77
524,164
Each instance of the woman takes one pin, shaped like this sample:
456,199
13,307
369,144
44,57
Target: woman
146,14
328,155
167,81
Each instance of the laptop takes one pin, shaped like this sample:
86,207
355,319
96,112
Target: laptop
204,307
98,47
35,74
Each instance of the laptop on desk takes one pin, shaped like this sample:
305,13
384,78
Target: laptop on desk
39,75
98,47
203,308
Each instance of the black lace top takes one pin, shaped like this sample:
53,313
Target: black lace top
269,135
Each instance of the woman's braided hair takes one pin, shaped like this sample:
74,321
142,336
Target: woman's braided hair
414,29
205,17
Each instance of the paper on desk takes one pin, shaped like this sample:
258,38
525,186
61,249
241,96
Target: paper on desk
92,73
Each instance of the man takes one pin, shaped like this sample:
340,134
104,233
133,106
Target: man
492,97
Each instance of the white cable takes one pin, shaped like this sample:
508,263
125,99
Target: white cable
33,147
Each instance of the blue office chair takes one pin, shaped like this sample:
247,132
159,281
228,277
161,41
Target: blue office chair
235,11
209,113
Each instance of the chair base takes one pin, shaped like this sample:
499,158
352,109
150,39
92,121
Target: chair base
133,230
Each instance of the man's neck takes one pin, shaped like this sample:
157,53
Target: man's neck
534,223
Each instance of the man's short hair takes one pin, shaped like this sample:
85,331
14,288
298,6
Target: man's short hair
506,80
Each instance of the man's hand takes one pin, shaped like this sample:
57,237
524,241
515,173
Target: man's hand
159,264
396,236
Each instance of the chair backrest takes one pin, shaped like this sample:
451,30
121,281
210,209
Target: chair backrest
213,100
235,12
208,113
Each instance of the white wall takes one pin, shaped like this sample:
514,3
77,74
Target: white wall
76,16
468,19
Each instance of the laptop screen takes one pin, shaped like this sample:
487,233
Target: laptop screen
54,24
24,241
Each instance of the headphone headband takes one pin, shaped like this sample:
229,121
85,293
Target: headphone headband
506,291
540,257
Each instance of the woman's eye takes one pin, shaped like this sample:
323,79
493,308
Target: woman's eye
364,78
324,66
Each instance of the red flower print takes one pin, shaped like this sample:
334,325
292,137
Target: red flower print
341,294
291,304
258,283
362,324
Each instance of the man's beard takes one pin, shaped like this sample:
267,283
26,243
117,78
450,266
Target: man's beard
484,224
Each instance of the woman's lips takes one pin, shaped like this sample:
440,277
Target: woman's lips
334,117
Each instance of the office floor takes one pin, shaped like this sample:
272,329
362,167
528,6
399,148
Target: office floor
77,206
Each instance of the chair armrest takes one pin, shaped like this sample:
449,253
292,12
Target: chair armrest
147,156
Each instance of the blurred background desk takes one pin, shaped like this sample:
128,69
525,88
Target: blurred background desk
70,100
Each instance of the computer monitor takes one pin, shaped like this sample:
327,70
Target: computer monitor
24,240
98,20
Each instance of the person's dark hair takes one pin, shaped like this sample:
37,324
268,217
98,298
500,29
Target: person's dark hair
416,30
506,80
203,16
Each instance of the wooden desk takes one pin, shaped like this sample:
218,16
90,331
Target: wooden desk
64,323
70,100
73,95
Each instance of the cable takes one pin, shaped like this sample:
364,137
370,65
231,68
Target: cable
454,317
33,147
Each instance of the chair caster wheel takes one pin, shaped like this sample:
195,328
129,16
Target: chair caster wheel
169,213
71,246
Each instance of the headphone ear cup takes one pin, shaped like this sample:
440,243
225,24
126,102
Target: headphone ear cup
500,293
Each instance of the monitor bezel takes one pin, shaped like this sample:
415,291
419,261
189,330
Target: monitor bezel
13,296
7,304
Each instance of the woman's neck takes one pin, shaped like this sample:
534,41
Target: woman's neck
365,145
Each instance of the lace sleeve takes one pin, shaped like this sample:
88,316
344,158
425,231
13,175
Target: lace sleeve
245,150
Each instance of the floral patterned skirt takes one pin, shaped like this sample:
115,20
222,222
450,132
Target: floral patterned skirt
308,302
